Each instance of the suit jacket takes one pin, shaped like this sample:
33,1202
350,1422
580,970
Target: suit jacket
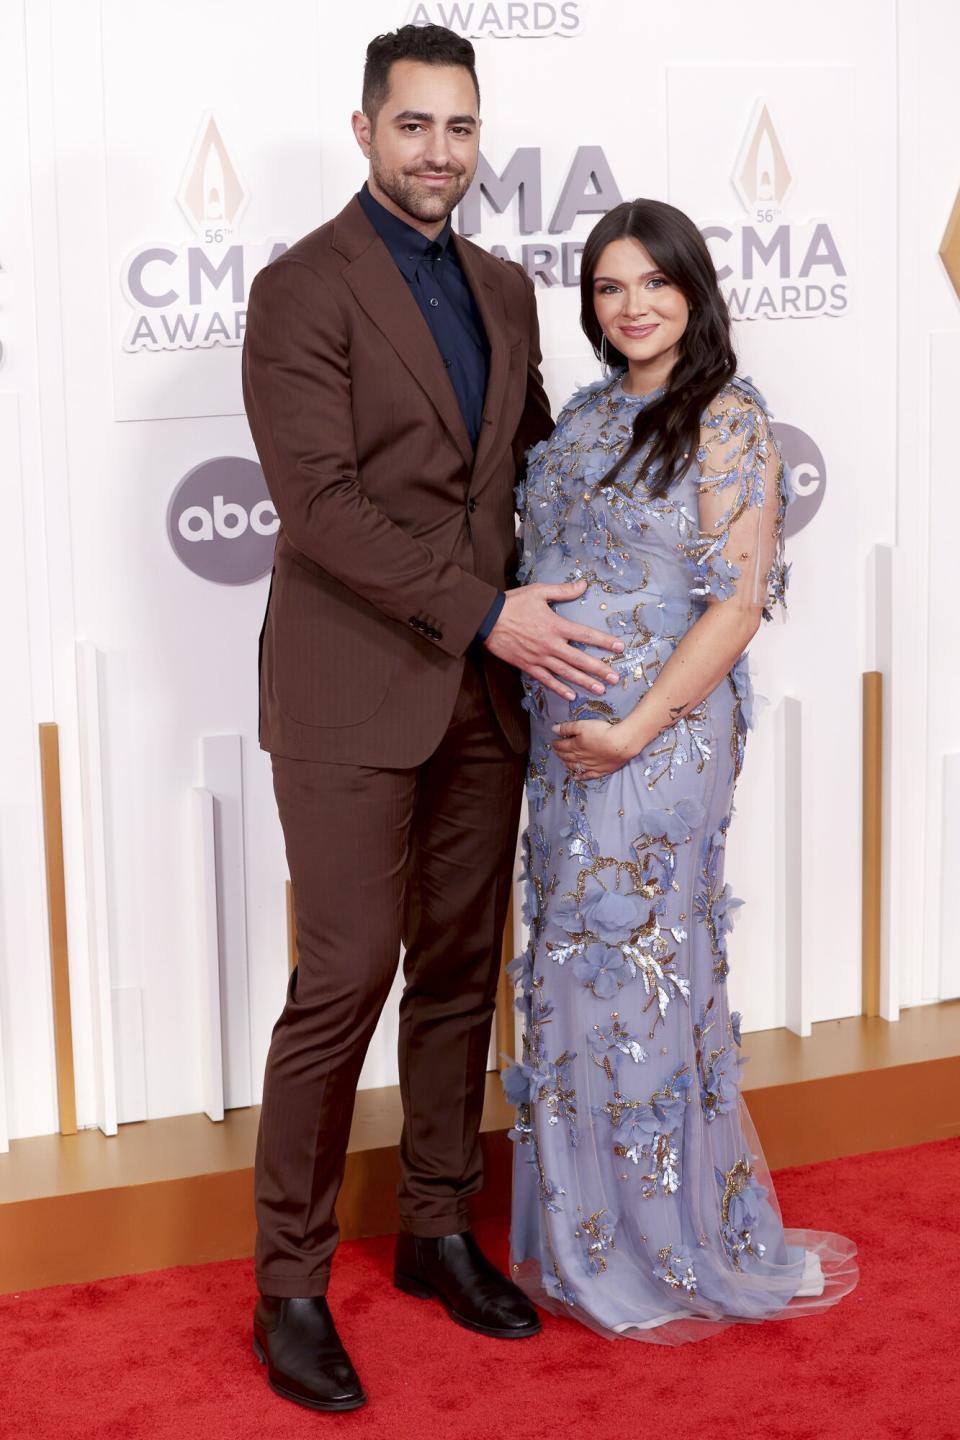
394,535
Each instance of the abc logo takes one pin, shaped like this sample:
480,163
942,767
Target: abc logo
808,475
221,521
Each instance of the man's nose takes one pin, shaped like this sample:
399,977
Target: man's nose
437,151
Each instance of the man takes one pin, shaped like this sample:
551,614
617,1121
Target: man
391,379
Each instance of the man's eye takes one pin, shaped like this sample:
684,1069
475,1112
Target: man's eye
412,126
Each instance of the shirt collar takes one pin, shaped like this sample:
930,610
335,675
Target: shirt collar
407,246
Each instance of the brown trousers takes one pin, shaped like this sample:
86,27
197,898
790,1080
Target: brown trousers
379,857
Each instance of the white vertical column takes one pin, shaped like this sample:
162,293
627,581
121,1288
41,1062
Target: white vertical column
129,1057
910,433
25,1008
935,902
48,535
221,764
95,869
208,952
789,865
4,1127
950,881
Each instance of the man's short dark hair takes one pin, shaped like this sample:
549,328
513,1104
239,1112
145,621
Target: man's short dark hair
428,44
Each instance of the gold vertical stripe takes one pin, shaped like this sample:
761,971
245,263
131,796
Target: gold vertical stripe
504,1026
57,919
950,246
291,932
872,876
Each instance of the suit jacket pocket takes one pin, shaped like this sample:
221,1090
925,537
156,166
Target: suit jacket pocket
332,660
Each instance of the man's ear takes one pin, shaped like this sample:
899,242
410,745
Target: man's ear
362,131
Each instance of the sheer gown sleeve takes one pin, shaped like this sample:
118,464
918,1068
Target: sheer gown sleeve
742,501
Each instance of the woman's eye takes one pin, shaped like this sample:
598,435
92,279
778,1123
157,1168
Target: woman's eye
658,280
608,289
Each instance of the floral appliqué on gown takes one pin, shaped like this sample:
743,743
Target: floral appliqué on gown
642,1203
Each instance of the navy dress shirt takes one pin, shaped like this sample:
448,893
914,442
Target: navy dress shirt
439,286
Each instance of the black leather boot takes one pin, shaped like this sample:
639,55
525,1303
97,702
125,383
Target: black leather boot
454,1270
305,1359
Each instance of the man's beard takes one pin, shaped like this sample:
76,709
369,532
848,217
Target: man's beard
415,199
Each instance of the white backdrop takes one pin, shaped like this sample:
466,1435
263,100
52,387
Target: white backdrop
121,312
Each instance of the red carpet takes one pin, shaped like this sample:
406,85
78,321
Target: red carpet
167,1355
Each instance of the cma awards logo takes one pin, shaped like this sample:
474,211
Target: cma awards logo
772,267
193,295
589,188
221,521
509,19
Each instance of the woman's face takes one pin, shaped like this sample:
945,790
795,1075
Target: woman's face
641,312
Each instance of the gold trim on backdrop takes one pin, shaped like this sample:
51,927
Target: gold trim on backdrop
504,1025
950,246
57,922
872,875
291,932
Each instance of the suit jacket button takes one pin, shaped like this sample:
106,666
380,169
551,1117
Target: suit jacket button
471,504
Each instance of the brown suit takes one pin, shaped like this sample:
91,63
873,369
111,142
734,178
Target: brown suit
395,536
397,741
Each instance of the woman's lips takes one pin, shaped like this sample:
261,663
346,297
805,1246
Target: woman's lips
637,332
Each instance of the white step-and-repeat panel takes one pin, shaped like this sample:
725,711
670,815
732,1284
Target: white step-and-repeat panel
156,157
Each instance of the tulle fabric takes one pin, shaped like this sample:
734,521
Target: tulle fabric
813,1271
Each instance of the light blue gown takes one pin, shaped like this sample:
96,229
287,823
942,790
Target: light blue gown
642,1204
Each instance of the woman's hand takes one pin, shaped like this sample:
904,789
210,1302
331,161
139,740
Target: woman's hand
592,748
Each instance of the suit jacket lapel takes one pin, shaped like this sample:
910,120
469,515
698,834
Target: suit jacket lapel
490,304
381,291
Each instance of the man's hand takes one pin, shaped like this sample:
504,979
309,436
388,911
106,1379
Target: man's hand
531,636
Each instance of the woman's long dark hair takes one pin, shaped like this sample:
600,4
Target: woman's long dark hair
670,426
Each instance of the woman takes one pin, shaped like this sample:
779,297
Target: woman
642,1204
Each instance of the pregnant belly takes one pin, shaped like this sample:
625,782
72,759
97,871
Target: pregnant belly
651,627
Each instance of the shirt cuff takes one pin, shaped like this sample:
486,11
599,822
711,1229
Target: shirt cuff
492,616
